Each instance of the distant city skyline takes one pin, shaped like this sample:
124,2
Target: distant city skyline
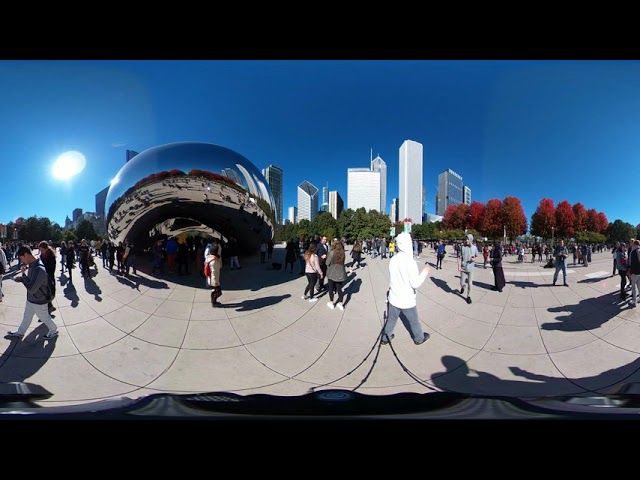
529,129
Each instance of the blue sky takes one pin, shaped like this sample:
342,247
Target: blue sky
566,130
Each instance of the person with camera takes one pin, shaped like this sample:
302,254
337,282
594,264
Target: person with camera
404,280
560,254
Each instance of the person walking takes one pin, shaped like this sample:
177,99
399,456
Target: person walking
404,280
560,254
634,268
496,265
336,273
34,278
356,254
213,279
70,260
466,263
312,270
48,259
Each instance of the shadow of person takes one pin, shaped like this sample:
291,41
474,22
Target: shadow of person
255,303
438,282
24,357
352,287
92,288
70,293
582,316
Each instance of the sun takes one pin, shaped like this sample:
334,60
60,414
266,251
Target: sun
68,165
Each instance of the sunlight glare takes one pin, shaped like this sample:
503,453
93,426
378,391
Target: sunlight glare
68,165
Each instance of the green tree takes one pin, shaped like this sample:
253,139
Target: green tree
324,224
85,230
620,231
304,228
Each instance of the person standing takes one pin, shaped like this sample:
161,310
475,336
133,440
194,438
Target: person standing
404,280
130,258
440,253
322,252
263,251
356,254
34,278
336,273
466,262
213,280
623,265
496,265
312,270
4,267
634,268
560,254
615,258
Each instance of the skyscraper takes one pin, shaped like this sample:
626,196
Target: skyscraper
273,175
379,165
324,207
449,190
307,201
76,215
336,204
410,179
467,195
101,200
293,214
393,214
363,189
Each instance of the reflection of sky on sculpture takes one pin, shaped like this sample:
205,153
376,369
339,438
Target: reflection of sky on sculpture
186,156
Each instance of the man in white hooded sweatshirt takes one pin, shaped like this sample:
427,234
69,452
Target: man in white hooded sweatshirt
404,279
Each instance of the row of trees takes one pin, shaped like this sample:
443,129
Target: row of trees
35,229
499,217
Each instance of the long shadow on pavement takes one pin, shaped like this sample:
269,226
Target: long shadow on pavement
24,357
588,314
255,304
458,377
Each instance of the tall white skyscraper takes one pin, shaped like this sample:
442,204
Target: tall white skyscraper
410,188
293,214
467,195
273,176
394,211
379,165
307,201
363,189
336,204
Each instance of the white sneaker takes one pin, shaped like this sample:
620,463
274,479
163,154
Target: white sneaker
313,299
340,306
330,305
304,297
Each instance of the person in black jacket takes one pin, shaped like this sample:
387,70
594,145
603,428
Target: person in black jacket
496,265
48,258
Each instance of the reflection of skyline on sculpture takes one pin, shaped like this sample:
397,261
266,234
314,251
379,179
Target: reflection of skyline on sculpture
209,187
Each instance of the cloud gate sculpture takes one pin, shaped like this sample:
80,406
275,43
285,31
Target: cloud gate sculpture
190,186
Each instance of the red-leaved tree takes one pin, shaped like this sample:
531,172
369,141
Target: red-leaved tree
592,220
476,215
448,217
580,213
492,226
543,219
602,224
565,219
513,217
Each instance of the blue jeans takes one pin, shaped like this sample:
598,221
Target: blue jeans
409,317
562,266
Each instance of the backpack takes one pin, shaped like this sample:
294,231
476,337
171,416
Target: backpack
635,262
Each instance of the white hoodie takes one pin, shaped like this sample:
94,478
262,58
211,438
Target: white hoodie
404,275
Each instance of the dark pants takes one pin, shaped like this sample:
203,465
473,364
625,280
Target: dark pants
323,267
614,267
312,278
498,275
623,282
439,258
335,286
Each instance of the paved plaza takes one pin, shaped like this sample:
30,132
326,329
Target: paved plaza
147,334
